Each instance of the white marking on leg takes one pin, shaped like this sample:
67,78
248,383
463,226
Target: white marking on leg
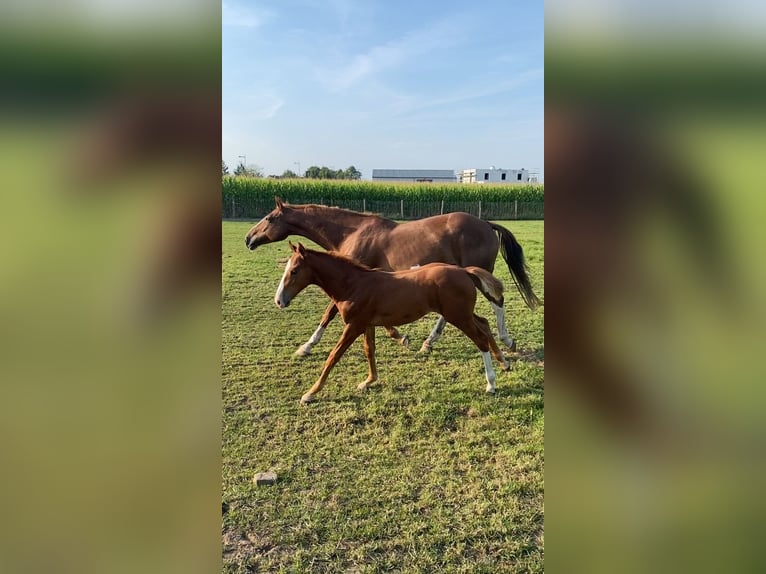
279,297
434,336
489,372
502,331
305,349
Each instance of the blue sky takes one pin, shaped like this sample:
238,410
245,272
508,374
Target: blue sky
383,84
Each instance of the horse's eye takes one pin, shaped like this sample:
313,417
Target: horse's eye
293,272
269,218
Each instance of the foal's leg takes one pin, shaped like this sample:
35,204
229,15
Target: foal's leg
471,328
502,331
396,336
328,316
349,335
483,325
369,352
435,335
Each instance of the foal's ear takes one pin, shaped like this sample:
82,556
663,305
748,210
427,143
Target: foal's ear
301,249
292,247
278,202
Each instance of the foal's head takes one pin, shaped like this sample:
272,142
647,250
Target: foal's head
269,229
296,278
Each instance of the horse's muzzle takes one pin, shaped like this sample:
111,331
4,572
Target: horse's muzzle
251,243
280,303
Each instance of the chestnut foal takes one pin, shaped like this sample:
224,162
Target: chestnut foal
366,298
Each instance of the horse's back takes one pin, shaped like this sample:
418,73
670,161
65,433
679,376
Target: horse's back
455,238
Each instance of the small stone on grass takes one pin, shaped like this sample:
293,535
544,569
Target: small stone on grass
262,478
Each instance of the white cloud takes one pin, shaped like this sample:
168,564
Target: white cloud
391,54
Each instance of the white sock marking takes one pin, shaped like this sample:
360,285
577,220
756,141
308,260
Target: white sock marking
489,372
502,331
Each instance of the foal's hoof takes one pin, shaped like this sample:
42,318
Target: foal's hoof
405,342
306,399
303,351
426,348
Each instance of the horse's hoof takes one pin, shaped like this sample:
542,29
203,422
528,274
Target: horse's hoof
405,341
303,351
512,345
507,366
362,386
426,348
490,390
306,399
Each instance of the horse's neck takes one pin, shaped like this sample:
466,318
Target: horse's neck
324,227
334,276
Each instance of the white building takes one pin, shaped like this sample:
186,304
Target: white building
435,175
496,175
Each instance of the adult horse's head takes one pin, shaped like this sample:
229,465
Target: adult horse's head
297,276
269,229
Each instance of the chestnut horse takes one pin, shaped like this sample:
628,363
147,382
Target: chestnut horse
368,297
455,238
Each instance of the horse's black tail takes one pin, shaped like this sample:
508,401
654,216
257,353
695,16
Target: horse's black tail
514,257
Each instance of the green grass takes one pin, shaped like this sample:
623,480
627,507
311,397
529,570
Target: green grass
421,473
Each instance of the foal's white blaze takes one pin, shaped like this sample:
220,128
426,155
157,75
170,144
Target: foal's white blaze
489,372
502,331
279,297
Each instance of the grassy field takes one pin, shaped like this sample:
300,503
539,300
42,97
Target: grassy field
421,473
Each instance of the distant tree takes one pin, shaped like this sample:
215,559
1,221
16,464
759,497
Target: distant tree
254,170
240,170
248,171
289,173
313,172
224,168
352,173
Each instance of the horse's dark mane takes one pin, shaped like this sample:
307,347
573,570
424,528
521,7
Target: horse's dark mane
314,207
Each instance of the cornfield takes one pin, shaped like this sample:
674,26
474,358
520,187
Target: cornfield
248,198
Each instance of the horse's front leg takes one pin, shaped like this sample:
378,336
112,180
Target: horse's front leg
369,352
350,333
328,316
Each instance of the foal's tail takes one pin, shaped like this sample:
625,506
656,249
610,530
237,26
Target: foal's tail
514,257
489,285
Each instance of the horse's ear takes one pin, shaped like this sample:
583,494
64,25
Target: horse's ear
292,246
278,202
301,248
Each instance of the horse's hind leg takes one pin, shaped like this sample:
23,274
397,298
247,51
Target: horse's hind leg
483,325
434,336
502,331
475,331
329,315
369,352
